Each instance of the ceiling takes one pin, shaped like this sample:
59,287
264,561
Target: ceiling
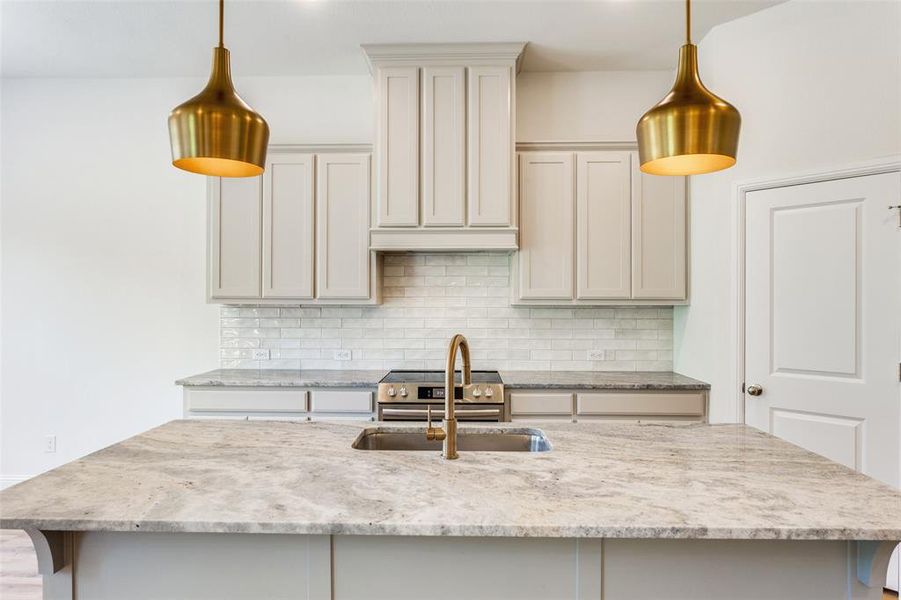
131,38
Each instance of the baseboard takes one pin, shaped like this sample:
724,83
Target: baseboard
9,480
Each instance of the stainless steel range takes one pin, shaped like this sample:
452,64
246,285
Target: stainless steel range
407,395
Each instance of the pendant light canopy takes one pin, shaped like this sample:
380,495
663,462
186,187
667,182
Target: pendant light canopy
216,132
692,130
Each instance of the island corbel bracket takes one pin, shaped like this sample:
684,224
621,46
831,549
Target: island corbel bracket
56,554
872,562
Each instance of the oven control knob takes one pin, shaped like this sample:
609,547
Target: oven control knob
403,391
391,392
476,392
489,392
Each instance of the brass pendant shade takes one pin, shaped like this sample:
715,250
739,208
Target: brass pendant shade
692,130
216,132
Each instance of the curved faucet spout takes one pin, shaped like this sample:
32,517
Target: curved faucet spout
450,419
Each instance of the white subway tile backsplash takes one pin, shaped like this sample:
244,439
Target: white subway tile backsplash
429,297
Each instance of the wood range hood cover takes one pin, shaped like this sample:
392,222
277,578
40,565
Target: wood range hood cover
444,173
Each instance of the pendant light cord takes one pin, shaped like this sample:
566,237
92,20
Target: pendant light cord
688,21
221,21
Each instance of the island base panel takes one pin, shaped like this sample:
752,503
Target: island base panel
225,566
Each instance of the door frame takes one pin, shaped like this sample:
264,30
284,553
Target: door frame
740,190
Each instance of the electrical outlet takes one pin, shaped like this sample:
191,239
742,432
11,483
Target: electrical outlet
596,355
342,355
49,443
261,353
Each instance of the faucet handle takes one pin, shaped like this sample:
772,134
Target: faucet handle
432,433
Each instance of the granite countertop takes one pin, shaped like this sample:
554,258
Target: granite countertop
601,380
600,480
286,378
610,380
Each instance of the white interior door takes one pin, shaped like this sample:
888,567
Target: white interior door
823,319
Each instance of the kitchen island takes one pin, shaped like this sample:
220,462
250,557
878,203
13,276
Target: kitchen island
260,509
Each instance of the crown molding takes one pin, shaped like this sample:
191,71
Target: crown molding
509,53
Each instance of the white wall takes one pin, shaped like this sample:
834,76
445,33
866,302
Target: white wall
586,106
102,252
819,86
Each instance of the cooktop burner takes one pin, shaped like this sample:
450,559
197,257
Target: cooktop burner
437,377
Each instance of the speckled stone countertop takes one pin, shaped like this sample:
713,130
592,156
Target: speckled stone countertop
610,380
600,480
601,380
285,378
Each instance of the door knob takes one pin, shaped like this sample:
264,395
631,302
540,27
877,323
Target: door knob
755,390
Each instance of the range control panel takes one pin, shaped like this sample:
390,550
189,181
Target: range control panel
482,393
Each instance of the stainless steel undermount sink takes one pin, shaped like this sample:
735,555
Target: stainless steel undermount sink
473,440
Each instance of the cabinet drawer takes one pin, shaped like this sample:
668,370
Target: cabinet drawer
541,404
341,401
641,404
247,401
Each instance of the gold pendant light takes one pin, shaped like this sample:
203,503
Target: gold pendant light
691,131
216,132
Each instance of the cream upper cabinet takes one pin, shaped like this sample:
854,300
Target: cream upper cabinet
397,148
342,206
490,143
298,233
235,207
288,226
545,262
443,146
445,149
659,241
630,243
604,217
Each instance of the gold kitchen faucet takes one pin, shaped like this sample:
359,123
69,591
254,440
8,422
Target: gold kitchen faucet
448,433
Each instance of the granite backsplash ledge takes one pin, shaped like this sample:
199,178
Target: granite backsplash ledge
427,297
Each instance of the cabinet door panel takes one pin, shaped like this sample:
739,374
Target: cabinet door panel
541,403
341,402
246,400
288,226
235,215
658,236
546,238
604,217
398,146
443,150
342,225
490,141
641,404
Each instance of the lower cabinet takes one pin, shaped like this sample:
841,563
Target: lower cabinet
535,406
541,406
293,404
595,230
638,406
298,233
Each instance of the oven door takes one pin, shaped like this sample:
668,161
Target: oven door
464,412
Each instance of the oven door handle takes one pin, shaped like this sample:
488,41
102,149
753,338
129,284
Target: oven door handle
462,412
